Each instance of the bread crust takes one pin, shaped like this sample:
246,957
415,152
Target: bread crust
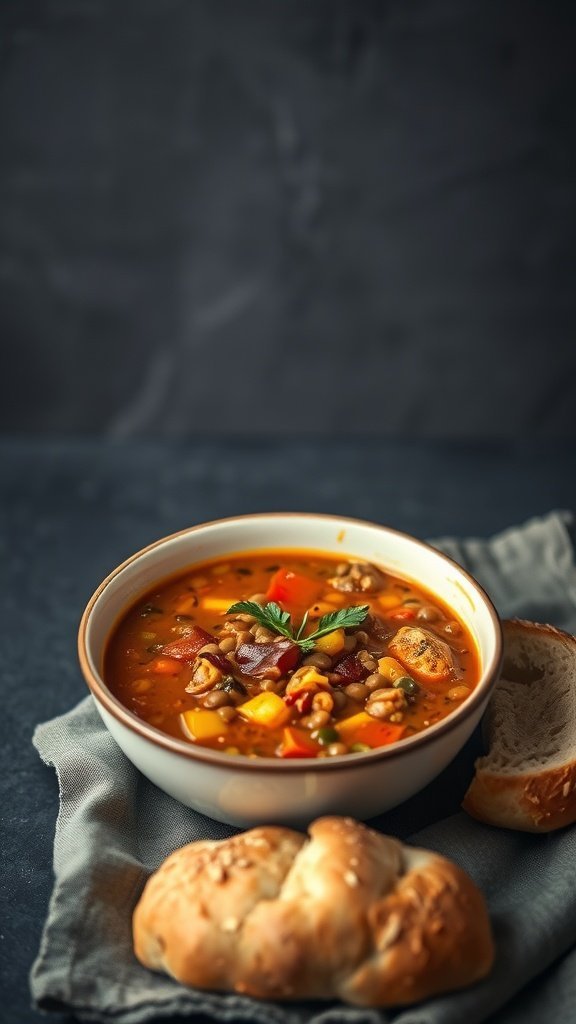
538,800
344,913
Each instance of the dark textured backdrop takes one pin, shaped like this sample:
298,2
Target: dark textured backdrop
353,217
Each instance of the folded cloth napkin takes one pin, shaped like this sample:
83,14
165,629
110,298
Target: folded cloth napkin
114,827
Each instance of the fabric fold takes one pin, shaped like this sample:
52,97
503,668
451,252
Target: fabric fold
114,827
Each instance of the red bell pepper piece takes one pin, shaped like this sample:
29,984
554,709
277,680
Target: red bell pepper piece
301,701
186,649
255,659
292,589
297,743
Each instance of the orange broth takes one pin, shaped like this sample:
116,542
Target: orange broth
153,685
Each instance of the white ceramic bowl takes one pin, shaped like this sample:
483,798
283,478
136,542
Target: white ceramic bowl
246,791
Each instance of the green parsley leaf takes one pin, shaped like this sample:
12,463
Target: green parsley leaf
344,618
273,618
270,615
302,626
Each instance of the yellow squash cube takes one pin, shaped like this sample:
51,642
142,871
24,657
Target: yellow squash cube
332,643
307,680
391,669
389,601
219,605
200,724
265,709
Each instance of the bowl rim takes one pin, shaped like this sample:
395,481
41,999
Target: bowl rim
219,759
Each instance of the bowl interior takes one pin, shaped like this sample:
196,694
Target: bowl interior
401,554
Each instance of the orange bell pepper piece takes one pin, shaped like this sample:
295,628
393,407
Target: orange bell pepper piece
362,728
292,589
379,734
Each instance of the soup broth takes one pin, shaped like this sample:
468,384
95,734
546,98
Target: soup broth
331,656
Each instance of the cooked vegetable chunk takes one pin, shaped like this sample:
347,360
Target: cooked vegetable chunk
292,589
426,655
266,709
202,725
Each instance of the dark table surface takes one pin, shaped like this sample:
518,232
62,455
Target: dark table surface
191,191
69,512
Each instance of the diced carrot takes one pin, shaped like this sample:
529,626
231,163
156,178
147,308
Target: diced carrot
292,589
165,666
297,743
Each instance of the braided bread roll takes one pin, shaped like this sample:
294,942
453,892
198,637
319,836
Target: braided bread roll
347,913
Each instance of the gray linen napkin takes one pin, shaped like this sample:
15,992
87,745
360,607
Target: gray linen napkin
114,827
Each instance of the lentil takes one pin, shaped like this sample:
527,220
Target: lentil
375,681
458,692
319,660
357,691
217,699
336,748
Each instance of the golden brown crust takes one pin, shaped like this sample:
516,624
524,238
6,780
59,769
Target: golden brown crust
543,798
537,802
431,935
347,913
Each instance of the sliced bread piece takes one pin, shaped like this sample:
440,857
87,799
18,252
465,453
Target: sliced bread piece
527,780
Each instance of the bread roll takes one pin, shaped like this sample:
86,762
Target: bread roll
344,913
527,780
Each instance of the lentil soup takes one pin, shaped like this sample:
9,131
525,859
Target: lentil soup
290,654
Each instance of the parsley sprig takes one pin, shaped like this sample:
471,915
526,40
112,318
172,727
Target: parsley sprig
277,621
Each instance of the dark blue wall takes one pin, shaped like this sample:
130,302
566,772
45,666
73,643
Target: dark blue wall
297,217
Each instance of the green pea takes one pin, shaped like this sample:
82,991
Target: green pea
327,735
360,748
407,684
